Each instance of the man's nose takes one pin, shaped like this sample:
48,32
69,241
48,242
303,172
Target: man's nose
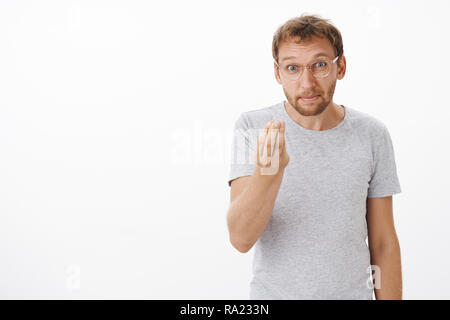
306,79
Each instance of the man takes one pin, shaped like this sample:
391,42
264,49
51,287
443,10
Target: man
319,184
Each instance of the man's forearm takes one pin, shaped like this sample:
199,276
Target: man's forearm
250,212
389,263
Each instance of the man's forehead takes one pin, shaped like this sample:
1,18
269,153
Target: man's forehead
321,54
311,48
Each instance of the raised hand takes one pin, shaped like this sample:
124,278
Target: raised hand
270,153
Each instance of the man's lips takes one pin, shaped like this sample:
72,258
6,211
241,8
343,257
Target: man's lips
310,98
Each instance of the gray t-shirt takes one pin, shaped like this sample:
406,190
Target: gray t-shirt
314,245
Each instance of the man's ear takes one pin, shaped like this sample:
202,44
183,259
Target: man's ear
342,66
277,72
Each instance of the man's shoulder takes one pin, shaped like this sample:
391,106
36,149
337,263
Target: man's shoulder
366,123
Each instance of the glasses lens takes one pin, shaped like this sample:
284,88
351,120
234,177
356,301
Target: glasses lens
320,69
291,72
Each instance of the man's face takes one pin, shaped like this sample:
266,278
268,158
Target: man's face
297,92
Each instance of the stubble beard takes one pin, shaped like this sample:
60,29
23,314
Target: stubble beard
314,108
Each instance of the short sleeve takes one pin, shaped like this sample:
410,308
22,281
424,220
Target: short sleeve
242,146
384,179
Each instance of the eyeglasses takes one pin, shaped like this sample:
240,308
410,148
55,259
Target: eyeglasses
319,69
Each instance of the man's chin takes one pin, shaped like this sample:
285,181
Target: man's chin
310,109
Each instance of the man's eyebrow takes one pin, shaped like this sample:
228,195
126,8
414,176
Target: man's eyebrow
320,54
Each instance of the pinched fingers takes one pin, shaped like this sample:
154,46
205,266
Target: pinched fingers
269,142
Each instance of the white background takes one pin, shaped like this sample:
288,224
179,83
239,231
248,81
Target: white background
114,138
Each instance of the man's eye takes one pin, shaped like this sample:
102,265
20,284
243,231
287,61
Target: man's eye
291,68
320,64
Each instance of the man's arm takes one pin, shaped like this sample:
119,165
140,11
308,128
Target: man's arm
252,200
384,248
